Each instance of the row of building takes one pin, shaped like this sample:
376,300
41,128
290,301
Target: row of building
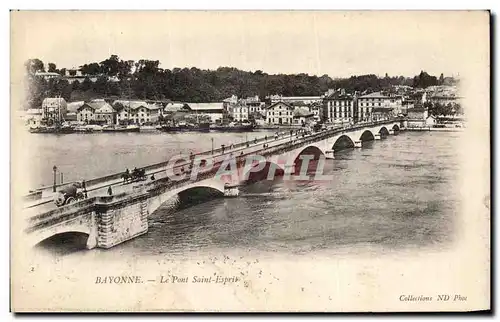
333,107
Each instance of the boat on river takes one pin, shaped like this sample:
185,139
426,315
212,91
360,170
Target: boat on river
148,128
56,129
89,128
127,128
185,127
233,127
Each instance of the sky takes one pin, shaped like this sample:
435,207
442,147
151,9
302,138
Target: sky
336,43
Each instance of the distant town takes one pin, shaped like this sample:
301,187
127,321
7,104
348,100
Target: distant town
94,96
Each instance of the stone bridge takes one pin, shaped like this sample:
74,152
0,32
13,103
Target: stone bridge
111,220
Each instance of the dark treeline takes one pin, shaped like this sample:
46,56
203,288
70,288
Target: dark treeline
144,79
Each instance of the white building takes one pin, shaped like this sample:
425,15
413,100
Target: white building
303,117
294,99
280,113
173,107
317,111
85,113
33,117
239,112
338,107
367,103
54,109
242,110
417,117
213,110
48,75
104,113
137,112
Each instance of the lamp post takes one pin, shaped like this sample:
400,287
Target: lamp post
212,145
54,168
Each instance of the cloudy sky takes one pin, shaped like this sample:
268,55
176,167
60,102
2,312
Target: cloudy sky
317,42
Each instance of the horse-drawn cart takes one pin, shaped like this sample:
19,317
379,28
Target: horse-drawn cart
134,176
68,195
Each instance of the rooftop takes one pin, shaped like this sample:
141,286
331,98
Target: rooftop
280,102
53,100
173,107
134,105
205,106
98,105
338,96
302,112
374,95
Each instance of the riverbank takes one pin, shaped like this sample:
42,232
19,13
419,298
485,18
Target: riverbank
437,129
277,127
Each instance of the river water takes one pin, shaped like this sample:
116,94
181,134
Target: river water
392,194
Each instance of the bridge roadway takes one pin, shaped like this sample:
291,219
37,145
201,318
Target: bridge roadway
99,187
111,220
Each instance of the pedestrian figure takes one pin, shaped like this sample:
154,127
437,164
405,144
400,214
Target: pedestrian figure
255,141
84,189
110,192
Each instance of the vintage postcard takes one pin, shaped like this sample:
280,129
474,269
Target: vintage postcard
245,161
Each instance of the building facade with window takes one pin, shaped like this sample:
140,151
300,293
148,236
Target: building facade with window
239,112
54,109
279,113
104,112
367,103
338,107
85,113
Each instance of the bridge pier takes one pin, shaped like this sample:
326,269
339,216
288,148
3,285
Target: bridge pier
231,190
377,136
391,132
120,221
289,169
357,144
93,236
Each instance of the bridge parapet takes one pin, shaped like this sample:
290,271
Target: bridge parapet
111,220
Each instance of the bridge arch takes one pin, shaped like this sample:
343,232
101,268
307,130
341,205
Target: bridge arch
367,135
198,194
45,235
383,131
71,237
343,142
211,187
312,153
395,127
